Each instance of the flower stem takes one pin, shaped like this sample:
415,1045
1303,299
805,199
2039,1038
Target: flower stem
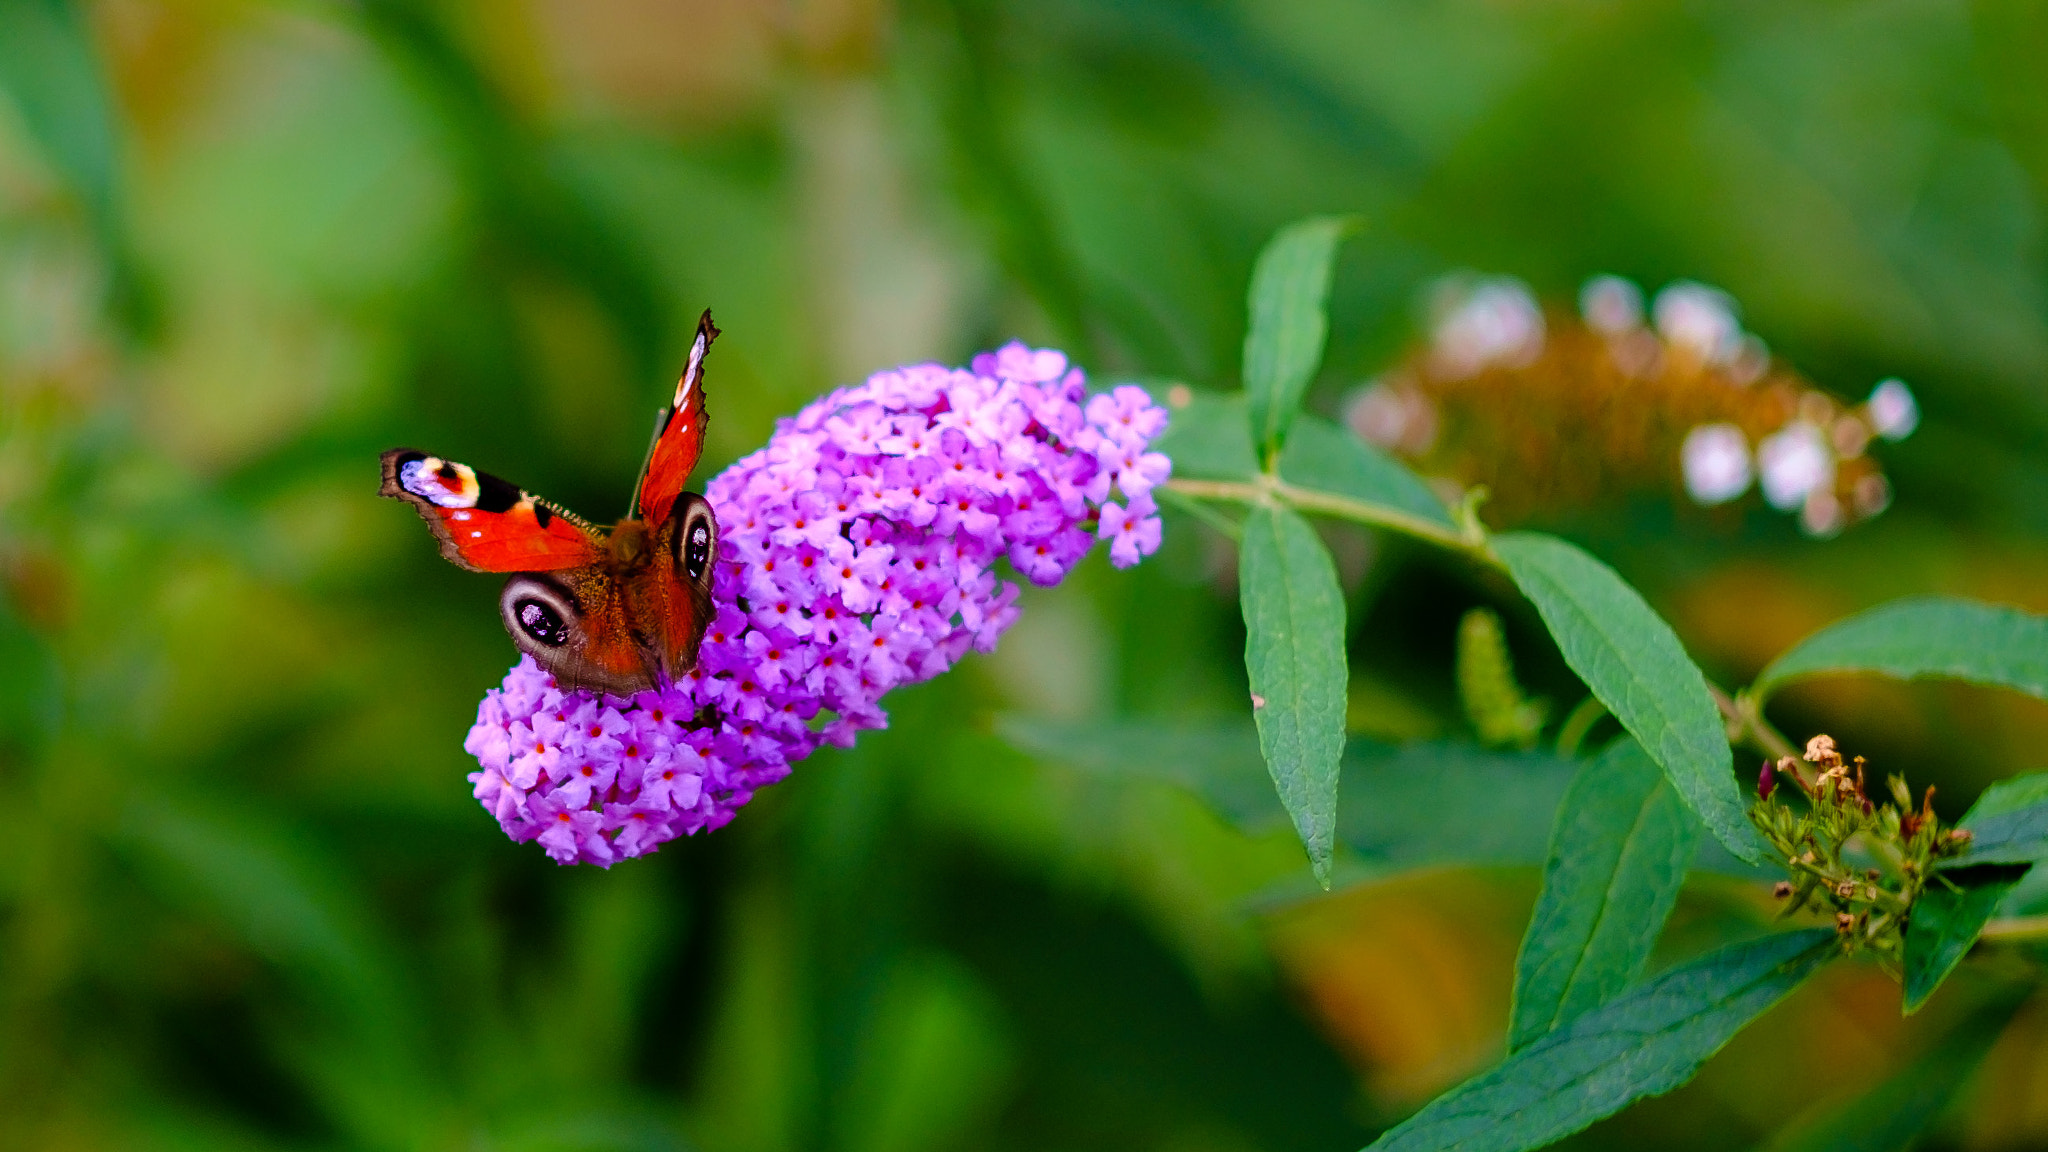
1746,722
1268,487
1578,724
2016,930
1200,511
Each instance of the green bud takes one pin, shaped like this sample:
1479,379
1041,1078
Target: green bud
1499,712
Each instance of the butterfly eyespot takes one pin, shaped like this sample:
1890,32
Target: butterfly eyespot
697,552
541,622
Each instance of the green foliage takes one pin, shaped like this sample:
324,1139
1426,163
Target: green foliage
1946,920
1283,346
1633,662
1218,760
1322,456
1493,702
1208,439
47,64
1644,1042
1399,807
1931,636
1618,855
2009,823
1424,804
246,900
1294,654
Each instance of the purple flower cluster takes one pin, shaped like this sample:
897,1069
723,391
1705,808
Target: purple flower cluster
857,552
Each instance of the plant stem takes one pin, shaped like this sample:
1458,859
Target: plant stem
2016,930
1200,511
1268,487
1746,722
1573,732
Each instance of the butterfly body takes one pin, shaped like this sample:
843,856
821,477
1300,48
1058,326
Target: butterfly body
618,610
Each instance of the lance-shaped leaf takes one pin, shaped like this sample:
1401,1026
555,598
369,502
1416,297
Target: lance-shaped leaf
1294,653
1322,456
48,66
50,71
1207,439
1926,636
1284,344
1644,1042
2008,824
1891,1116
1618,856
1947,917
1633,662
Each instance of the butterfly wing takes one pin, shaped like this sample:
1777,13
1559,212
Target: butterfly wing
485,524
580,625
680,439
620,628
685,555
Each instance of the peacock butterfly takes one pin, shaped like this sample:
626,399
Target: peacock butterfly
616,610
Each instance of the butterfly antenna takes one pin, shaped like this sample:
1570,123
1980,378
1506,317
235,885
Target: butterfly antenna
660,425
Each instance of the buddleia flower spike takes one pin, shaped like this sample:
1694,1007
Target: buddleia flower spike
859,551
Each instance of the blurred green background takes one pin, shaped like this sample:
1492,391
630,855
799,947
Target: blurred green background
245,898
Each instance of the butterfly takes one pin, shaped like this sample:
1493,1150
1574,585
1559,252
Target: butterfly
617,610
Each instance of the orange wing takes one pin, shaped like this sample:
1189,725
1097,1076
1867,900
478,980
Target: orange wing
681,436
485,524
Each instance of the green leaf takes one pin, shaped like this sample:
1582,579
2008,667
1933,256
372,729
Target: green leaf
1946,920
1618,856
1294,653
31,684
48,66
1208,439
1324,456
1218,760
1418,805
1928,636
1284,344
1890,1116
1644,1042
51,70
2008,824
1632,661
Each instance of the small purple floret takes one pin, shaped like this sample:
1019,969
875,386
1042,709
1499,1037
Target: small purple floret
857,553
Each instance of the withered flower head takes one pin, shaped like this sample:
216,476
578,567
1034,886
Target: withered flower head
1554,412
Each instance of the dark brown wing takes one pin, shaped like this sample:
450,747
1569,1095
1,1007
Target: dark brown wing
580,625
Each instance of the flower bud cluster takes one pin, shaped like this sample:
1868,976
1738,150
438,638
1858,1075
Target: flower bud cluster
1672,393
858,552
1868,905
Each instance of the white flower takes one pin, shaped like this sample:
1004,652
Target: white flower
1699,319
1893,411
1792,462
1716,458
1479,323
1611,305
